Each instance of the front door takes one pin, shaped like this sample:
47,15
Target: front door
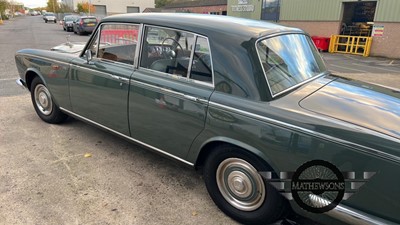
99,88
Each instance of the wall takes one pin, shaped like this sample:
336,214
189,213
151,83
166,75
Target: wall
389,44
315,28
202,9
119,6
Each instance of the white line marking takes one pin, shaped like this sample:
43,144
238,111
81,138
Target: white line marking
378,68
6,79
363,71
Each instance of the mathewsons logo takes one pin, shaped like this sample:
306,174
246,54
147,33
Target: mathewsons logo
317,186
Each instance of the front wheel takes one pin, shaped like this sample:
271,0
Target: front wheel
234,183
43,103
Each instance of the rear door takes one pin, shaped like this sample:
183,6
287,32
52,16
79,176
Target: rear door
169,92
99,89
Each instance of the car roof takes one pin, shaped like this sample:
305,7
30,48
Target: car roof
204,22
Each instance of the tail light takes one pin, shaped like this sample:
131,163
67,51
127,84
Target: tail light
81,23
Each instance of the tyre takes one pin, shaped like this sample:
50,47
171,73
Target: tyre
234,183
45,21
43,103
55,21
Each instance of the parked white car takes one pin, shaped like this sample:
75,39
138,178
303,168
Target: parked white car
50,17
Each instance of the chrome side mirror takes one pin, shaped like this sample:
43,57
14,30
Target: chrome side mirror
88,55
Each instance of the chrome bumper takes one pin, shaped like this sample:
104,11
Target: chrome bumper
350,215
21,83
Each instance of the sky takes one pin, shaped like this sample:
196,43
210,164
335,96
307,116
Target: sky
33,3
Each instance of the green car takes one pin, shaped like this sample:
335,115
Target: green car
248,103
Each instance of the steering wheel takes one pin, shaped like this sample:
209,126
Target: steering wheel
171,53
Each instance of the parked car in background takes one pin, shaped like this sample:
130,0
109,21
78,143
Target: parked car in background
50,17
249,103
84,24
68,22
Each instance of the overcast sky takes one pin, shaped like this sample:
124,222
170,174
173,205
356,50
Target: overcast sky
33,3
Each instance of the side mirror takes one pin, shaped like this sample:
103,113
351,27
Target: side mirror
88,55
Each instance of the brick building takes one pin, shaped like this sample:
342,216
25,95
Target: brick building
217,7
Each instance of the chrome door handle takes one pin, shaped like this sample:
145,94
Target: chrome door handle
191,98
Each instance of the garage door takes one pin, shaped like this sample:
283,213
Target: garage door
132,9
101,11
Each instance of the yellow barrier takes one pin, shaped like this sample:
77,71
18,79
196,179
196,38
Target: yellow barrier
357,45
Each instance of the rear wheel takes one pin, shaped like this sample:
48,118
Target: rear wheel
234,183
43,103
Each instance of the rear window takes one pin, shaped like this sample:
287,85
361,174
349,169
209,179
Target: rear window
89,20
289,60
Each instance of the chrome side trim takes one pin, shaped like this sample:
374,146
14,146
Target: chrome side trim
349,215
339,141
126,137
170,92
21,83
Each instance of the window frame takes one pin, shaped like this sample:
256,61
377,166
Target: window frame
172,76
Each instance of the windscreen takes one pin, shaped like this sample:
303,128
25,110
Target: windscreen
289,60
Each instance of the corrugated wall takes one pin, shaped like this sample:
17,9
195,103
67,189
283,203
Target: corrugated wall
315,10
388,11
330,10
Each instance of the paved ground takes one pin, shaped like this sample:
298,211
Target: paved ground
45,178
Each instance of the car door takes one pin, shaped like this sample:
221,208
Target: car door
167,103
99,86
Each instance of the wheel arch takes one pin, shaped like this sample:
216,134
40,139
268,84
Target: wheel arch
30,74
218,141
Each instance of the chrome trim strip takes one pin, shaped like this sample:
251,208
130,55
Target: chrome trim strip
102,74
189,71
21,83
355,146
126,137
349,215
171,92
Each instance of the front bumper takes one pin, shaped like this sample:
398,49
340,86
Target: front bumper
22,84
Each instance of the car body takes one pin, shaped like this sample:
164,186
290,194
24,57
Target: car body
49,17
236,99
84,24
68,22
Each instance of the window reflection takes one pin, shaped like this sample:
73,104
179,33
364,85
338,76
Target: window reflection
289,60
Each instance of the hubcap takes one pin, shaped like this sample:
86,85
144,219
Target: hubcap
43,99
240,184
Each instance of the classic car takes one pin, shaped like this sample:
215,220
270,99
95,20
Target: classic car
248,103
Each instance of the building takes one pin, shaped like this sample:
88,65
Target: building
216,7
379,19
110,7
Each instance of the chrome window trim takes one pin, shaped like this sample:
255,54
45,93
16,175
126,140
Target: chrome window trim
265,74
125,136
323,136
190,62
189,71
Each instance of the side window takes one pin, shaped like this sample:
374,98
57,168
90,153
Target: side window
167,50
118,42
201,65
93,45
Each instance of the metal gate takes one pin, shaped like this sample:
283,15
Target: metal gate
101,11
356,45
132,9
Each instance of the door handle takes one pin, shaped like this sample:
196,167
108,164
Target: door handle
191,98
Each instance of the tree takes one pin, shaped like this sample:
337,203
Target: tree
162,3
52,6
84,7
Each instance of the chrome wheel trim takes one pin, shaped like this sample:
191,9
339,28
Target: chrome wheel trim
43,99
240,184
